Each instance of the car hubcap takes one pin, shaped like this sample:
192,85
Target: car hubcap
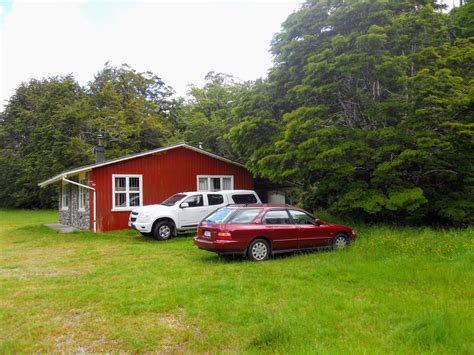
164,232
340,242
259,251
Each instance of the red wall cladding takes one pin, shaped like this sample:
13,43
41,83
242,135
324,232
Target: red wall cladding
164,174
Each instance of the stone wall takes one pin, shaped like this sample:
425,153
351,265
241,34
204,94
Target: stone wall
72,216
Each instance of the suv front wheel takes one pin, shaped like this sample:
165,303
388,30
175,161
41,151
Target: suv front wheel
163,230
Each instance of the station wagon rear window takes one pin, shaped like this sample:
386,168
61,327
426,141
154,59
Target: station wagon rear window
243,216
220,215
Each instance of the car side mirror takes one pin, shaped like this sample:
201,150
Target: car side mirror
318,221
184,205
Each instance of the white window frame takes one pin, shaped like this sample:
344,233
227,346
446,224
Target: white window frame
65,196
82,191
127,191
208,177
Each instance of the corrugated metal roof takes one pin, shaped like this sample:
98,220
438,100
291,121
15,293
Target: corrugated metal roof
89,167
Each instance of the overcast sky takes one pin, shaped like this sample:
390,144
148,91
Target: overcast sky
176,40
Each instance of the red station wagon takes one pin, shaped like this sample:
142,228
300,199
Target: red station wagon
256,231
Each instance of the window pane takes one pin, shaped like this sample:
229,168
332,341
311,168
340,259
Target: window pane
226,183
301,218
276,217
134,199
244,198
215,199
215,184
121,200
194,201
65,196
83,201
81,197
203,184
220,215
244,216
120,184
170,201
134,184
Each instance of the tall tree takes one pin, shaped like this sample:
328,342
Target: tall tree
208,113
133,109
40,135
374,111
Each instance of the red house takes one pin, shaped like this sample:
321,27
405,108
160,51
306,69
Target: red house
99,197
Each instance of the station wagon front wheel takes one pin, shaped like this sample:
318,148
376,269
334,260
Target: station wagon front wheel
340,241
259,250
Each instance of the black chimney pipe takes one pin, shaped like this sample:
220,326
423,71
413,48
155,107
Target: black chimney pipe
99,150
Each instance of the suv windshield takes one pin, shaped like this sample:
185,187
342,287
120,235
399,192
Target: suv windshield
170,201
219,216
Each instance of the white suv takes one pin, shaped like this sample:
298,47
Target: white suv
184,211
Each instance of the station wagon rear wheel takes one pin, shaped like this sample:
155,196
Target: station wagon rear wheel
163,231
340,241
259,250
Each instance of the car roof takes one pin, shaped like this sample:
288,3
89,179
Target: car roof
261,205
218,192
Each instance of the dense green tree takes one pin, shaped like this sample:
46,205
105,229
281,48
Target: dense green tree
40,135
372,111
134,110
208,114
463,18
51,125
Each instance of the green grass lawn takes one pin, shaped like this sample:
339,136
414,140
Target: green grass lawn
396,290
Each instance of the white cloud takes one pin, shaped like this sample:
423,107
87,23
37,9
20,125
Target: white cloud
181,41
178,41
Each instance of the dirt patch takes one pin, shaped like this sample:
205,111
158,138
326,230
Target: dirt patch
23,273
77,335
174,341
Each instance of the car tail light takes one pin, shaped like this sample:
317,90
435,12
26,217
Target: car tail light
224,236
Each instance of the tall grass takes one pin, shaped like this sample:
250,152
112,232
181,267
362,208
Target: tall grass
395,290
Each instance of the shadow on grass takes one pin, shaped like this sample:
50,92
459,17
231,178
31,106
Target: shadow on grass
151,239
239,258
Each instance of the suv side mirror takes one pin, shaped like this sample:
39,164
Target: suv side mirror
184,205
318,221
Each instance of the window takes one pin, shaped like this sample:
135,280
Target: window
83,193
215,183
65,196
244,216
127,192
276,217
194,201
244,198
220,215
171,201
301,218
215,199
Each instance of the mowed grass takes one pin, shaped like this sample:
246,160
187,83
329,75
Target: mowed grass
397,290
